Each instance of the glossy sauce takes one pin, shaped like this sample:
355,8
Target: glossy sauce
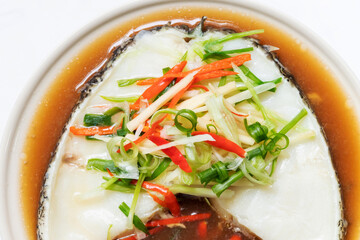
328,101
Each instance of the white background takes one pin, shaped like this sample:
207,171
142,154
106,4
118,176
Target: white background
31,30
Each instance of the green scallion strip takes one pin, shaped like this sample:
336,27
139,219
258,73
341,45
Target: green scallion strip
119,186
273,166
257,131
225,54
212,46
164,164
113,111
222,81
219,188
165,70
131,81
199,191
254,95
102,165
121,99
184,57
130,154
108,237
269,146
260,151
109,182
136,195
162,111
222,173
136,220
97,120
217,171
190,116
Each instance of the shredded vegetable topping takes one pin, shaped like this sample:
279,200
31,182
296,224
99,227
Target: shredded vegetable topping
167,141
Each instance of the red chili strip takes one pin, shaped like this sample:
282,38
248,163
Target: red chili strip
90,131
215,66
160,85
223,143
202,230
168,221
214,74
169,201
173,153
110,173
235,237
240,115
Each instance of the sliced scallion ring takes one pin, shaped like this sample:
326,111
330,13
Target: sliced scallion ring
272,145
134,150
188,115
211,125
257,131
162,111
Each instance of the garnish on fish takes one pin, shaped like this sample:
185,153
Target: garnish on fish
207,114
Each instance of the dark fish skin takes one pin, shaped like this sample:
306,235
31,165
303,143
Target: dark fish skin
98,78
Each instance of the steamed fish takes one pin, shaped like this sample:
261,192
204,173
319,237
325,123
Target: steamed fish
209,114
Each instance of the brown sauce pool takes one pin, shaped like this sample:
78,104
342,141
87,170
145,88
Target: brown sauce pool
328,101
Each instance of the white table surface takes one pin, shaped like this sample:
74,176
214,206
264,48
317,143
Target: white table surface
31,30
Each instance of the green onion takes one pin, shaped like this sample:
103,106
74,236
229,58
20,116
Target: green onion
254,95
165,70
97,120
216,45
188,115
257,131
199,191
127,82
184,57
222,81
222,173
254,170
271,145
162,111
102,165
149,165
223,118
131,214
130,154
121,99
219,188
166,89
224,54
136,220
109,182
113,148
93,138
260,151
160,169
108,233
113,111
211,125
119,186
217,171
273,165
187,178
256,80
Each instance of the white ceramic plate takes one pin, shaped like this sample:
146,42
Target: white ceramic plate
11,219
